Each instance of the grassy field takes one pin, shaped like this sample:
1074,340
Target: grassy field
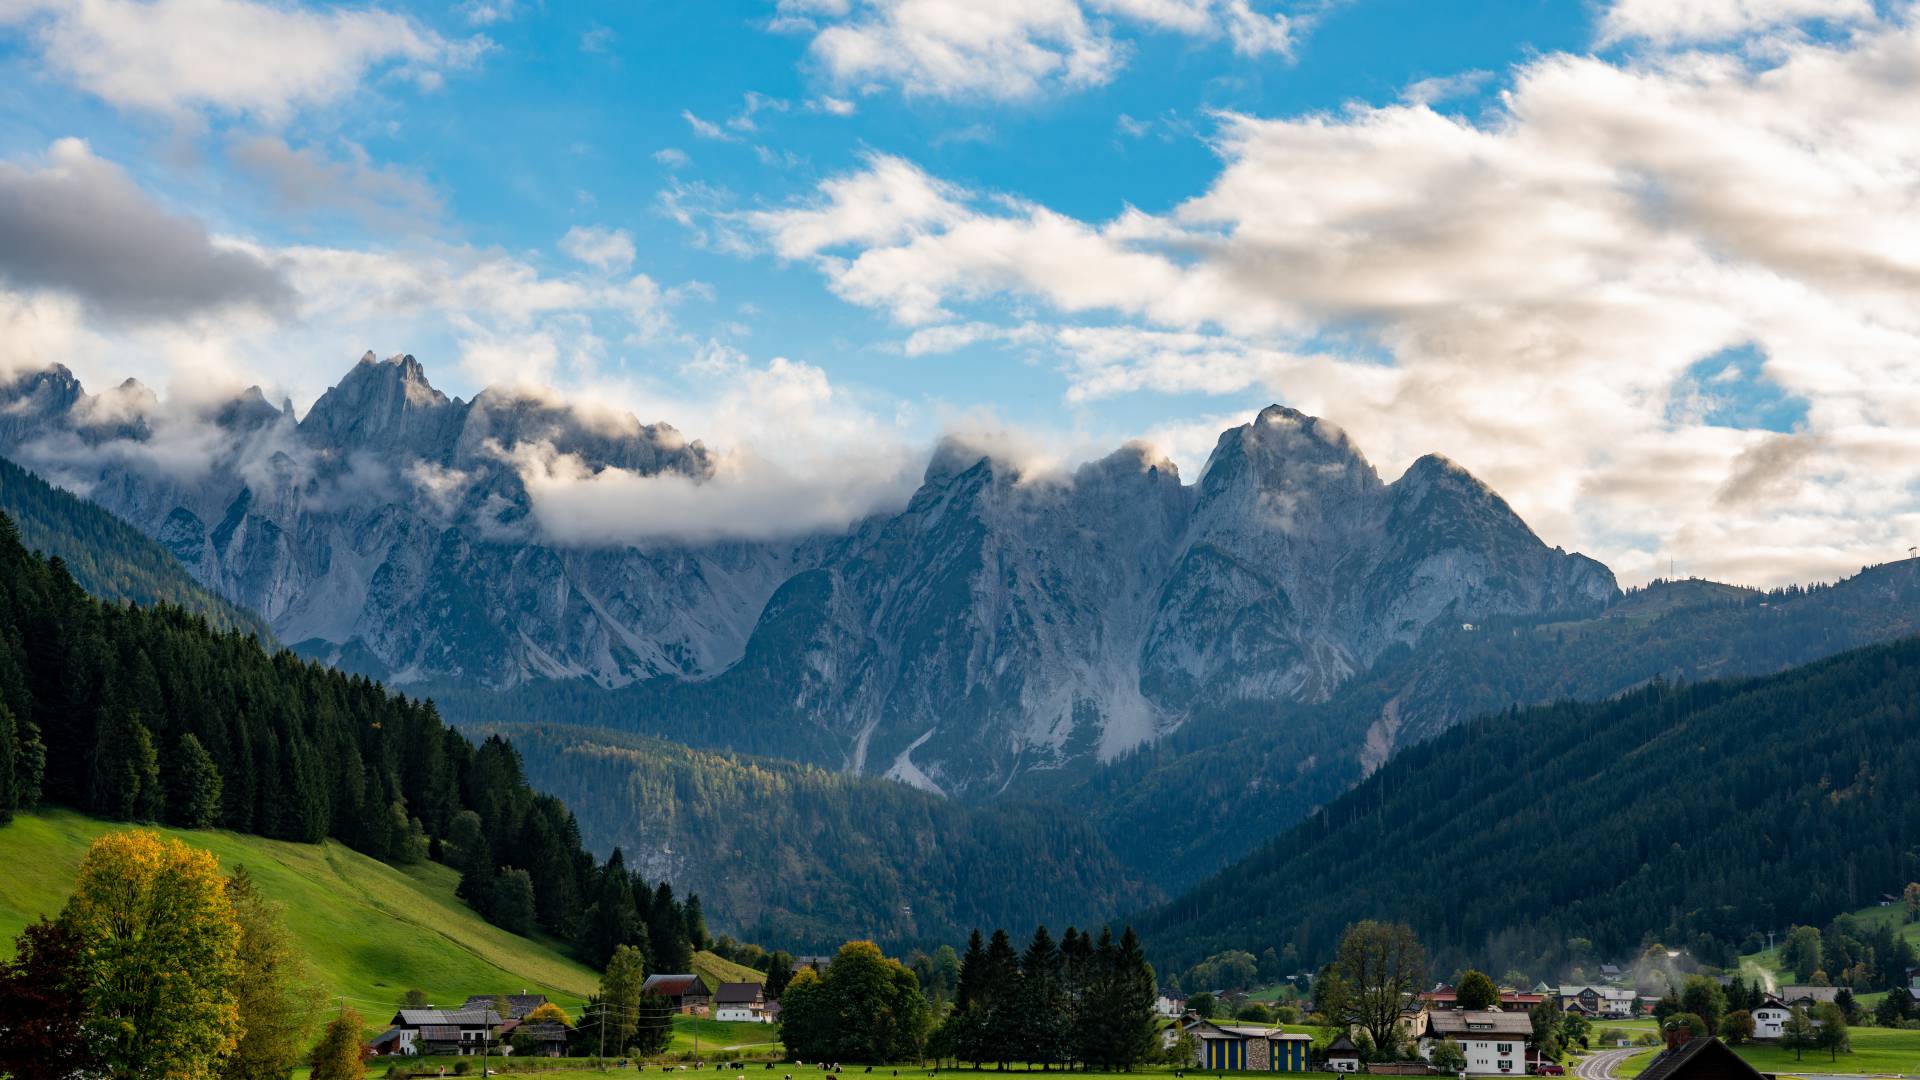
714,970
584,1070
371,931
1875,1051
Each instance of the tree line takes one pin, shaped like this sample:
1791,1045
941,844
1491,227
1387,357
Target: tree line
150,714
1083,1001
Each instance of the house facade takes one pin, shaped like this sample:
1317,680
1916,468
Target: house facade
444,1031
1495,1042
1170,1006
1223,1047
1609,1002
744,1002
1770,1019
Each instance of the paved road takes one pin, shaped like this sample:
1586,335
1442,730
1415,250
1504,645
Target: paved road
1600,1066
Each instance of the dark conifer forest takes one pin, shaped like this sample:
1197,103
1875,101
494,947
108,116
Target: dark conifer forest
1701,815
154,714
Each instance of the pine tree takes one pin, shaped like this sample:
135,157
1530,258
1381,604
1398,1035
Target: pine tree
611,921
194,801
971,989
1042,1012
667,934
696,924
512,903
126,771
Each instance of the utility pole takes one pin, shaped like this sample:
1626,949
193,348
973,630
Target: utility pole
603,1036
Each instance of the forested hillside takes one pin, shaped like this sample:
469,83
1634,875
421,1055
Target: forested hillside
151,714
108,557
1277,764
806,857
1697,813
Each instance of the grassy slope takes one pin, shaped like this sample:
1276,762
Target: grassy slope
714,970
372,931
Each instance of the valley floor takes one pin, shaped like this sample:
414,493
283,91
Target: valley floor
1876,1052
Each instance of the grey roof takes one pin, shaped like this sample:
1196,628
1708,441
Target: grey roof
1811,993
1238,1031
1342,1045
1473,1022
674,986
446,1017
440,1033
738,993
544,1030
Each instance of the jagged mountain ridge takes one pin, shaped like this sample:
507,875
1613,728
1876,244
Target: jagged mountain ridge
1005,621
390,526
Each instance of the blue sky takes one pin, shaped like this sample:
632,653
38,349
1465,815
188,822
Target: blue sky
1635,262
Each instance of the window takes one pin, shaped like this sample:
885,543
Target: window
1505,1048
1506,1066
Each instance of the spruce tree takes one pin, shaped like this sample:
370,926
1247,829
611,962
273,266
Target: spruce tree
667,935
126,771
194,799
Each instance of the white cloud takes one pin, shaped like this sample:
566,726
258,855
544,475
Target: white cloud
1523,290
232,56
672,158
831,105
1669,22
595,245
795,455
706,129
487,12
1011,50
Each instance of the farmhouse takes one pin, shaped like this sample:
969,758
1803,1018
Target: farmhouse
1495,1041
686,992
442,1031
1255,1049
1170,1006
742,1001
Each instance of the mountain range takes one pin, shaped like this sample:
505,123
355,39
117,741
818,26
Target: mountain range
1145,679
1004,622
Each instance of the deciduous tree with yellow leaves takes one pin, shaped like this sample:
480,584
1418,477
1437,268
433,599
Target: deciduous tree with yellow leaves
158,944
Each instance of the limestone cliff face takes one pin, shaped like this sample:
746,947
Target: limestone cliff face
1005,623
389,528
1002,622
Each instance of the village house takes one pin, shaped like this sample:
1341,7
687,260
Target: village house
1170,1006
440,1031
1608,1002
741,1001
1342,1055
1223,1047
1770,1019
1495,1042
687,993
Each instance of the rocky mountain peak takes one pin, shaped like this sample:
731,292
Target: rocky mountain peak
1283,449
383,404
